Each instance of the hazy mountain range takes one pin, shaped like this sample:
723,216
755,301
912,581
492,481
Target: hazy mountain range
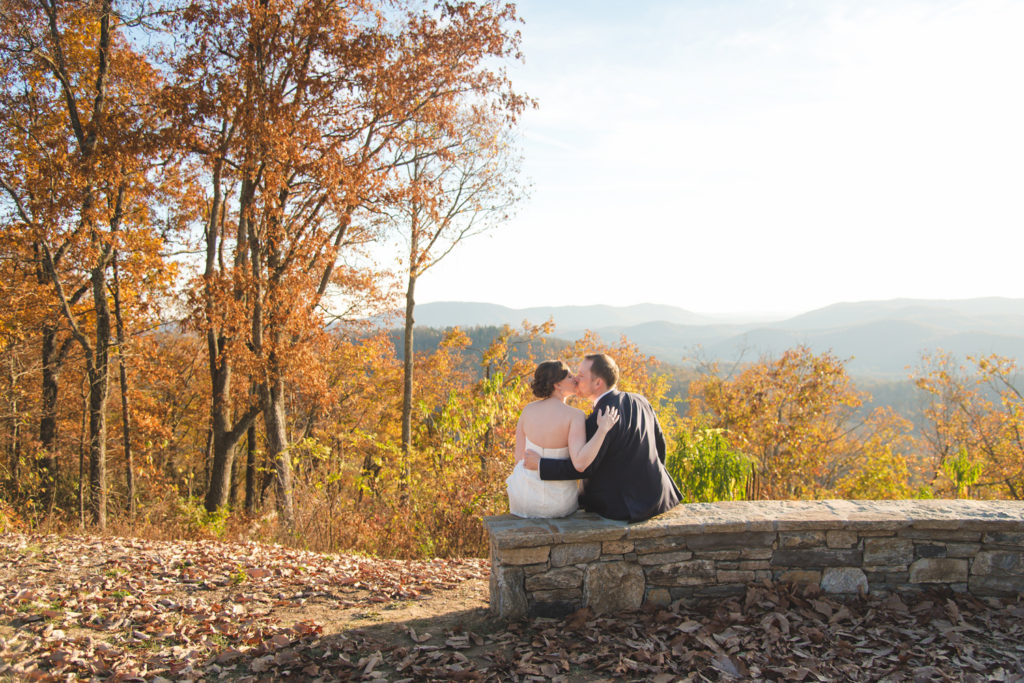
882,338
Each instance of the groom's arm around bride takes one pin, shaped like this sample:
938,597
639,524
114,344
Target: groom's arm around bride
627,480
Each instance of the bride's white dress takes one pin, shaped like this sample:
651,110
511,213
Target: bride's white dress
531,496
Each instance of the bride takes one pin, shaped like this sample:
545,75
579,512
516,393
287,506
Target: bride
554,430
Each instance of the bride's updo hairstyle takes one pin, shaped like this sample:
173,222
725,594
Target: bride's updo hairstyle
547,375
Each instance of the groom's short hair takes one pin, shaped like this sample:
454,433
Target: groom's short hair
602,365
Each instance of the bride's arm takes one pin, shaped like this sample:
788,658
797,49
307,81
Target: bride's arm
582,454
520,439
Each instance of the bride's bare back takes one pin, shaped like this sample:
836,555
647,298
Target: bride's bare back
548,424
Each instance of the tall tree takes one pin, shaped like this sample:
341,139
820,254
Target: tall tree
35,208
295,108
126,415
458,181
80,102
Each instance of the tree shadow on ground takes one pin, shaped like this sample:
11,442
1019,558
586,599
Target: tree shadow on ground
464,644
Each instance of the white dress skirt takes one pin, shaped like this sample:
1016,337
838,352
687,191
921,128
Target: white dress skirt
531,496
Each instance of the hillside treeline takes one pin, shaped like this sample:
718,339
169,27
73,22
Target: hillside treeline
788,427
200,200
197,191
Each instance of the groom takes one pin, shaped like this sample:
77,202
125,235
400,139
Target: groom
627,480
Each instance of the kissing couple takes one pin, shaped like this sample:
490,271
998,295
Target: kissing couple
611,462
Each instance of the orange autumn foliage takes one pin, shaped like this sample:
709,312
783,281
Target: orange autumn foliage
263,159
796,417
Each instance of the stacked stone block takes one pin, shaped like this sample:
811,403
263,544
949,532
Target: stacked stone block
552,567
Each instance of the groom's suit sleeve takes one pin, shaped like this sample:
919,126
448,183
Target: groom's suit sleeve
552,469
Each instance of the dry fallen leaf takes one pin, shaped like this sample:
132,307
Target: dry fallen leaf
126,608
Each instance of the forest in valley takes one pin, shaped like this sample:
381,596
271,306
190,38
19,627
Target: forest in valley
204,204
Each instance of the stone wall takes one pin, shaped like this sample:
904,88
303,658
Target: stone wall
549,567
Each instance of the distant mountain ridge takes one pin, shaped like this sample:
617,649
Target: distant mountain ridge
464,314
883,338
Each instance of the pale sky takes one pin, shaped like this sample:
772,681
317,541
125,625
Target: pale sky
761,156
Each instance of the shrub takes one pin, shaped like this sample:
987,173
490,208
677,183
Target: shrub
962,472
706,467
198,522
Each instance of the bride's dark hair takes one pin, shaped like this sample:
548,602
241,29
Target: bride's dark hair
547,375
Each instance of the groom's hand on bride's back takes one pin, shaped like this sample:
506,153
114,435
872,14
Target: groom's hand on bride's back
531,460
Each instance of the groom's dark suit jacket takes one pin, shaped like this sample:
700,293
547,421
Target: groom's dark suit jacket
627,480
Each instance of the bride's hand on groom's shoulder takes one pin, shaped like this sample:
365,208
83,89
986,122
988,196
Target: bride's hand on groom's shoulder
531,460
607,418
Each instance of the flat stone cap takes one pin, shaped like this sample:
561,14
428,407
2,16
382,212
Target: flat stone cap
508,531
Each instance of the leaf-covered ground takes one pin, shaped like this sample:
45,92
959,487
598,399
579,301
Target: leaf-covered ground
122,609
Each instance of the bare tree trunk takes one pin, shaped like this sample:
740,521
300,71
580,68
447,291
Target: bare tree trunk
53,498
126,415
407,376
266,480
220,450
14,484
221,456
81,453
226,432
98,386
46,463
52,358
251,503
208,460
271,389
97,376
16,452
129,465
407,348
233,494
224,439
274,421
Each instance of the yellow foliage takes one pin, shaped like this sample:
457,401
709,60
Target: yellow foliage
977,409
